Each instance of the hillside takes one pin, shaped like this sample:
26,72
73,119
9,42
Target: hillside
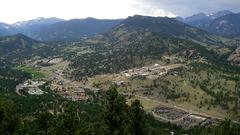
75,29
9,44
201,19
164,27
18,48
140,42
41,21
4,29
26,27
55,29
228,25
140,38
224,23
234,58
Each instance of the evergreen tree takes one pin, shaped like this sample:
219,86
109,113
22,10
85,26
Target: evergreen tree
44,122
115,114
70,123
9,120
137,116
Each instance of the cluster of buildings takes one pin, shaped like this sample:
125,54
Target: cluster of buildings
151,72
77,95
30,87
69,91
48,61
170,113
183,118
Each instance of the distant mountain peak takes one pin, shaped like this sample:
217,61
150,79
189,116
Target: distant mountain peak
201,16
162,26
224,23
38,21
196,17
217,14
20,35
179,18
90,18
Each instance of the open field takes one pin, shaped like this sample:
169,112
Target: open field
36,73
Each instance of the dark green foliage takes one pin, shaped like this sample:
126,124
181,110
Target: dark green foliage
137,117
9,120
44,123
226,127
9,78
34,104
69,122
115,113
17,48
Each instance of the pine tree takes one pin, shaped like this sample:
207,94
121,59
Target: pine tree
9,120
115,114
137,118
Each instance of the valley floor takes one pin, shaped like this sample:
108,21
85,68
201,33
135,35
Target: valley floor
180,107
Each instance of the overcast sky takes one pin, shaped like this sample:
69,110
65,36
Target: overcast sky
19,10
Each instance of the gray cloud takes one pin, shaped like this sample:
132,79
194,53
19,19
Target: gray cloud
188,7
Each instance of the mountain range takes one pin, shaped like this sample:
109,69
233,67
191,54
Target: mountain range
162,26
134,30
74,29
55,29
199,18
136,33
223,23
